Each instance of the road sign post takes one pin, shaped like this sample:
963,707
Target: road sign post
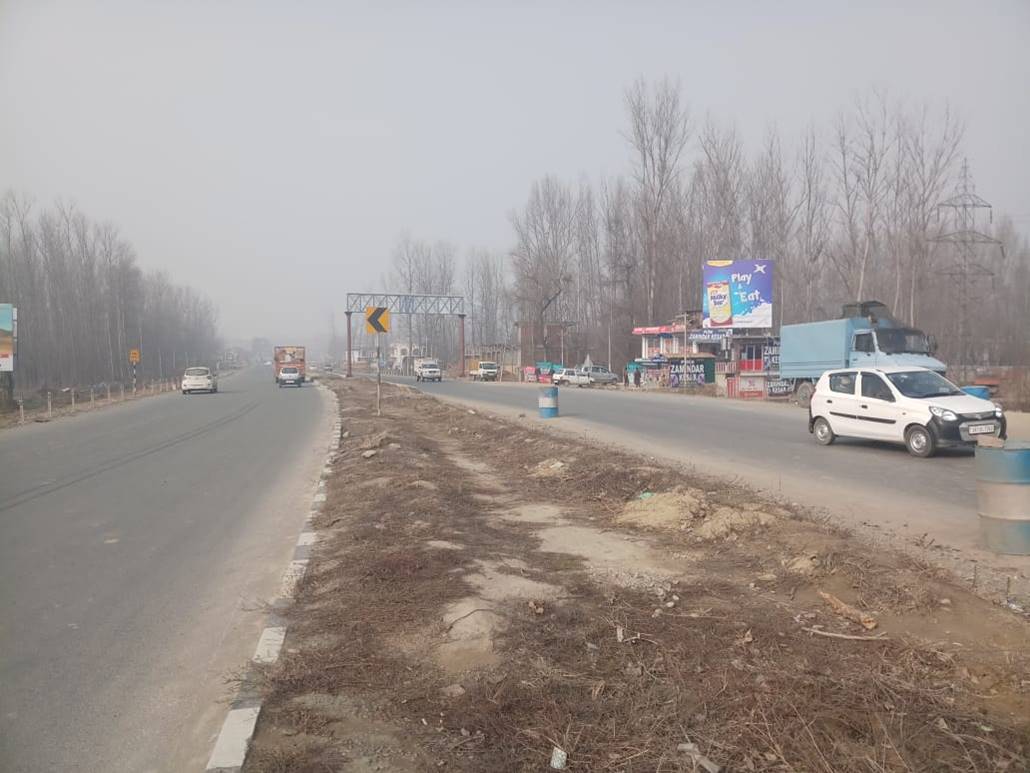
377,321
134,360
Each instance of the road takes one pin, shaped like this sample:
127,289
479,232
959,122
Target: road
768,445
139,543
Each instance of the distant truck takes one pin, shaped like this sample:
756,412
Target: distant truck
866,335
485,371
427,369
291,356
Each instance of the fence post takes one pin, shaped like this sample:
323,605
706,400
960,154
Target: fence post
108,392
49,405
21,411
92,398
123,391
73,400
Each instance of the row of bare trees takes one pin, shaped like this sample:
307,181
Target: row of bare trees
847,212
84,302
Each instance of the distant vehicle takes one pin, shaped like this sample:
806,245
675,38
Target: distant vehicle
293,356
268,362
571,377
866,335
599,374
486,371
290,375
427,370
199,380
915,407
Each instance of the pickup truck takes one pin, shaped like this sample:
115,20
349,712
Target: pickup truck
486,371
866,336
427,370
571,377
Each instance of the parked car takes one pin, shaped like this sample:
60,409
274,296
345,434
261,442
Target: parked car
571,377
599,374
290,375
915,407
199,380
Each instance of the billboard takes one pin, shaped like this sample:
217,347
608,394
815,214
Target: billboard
700,370
737,294
8,315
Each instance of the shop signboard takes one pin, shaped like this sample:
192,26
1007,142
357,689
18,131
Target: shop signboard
709,336
8,332
529,374
699,370
737,294
780,387
771,358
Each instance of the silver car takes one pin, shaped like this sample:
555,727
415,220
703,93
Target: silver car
601,375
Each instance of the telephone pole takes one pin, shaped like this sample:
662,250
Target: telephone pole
967,273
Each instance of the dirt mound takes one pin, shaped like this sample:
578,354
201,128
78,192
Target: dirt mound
728,520
668,510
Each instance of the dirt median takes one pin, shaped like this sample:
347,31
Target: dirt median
484,594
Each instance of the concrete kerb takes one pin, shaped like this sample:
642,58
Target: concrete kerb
240,724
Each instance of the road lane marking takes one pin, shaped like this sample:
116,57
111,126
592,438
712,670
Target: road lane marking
234,738
270,644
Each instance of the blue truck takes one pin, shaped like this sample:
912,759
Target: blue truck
866,335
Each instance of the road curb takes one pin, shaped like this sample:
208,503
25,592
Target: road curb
238,728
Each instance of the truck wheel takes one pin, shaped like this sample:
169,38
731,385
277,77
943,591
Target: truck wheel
823,432
920,442
804,394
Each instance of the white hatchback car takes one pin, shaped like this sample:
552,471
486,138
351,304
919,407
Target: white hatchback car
916,407
289,375
199,380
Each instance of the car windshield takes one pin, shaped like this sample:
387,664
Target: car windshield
923,383
197,371
899,340
488,365
289,371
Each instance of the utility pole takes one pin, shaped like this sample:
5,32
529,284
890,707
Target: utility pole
967,273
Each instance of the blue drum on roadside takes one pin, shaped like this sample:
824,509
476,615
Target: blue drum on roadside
548,402
1003,496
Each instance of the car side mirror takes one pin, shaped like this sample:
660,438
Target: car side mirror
931,342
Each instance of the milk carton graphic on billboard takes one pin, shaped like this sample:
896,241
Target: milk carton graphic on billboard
737,294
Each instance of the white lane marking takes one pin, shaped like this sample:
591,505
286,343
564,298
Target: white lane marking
307,538
234,738
294,572
269,645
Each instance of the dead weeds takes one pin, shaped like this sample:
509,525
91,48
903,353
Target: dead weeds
617,664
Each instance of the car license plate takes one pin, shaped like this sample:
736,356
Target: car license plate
981,429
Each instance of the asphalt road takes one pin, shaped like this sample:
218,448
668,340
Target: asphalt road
137,546
768,445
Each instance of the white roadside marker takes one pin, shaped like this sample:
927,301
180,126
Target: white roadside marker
269,645
234,738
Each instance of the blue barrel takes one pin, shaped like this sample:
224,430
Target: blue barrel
978,391
1003,497
548,402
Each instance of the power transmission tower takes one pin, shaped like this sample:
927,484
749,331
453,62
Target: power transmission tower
968,274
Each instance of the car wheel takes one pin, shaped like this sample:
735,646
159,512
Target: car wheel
823,432
920,442
184,392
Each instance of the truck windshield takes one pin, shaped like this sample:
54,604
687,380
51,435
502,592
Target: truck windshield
902,340
923,383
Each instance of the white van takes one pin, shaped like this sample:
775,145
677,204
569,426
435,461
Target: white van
915,407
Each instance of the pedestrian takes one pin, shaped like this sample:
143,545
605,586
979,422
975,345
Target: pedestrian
636,378
625,377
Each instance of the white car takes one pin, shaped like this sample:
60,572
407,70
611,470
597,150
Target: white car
290,375
199,380
915,407
427,370
571,377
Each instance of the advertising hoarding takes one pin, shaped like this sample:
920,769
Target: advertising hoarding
737,294
8,315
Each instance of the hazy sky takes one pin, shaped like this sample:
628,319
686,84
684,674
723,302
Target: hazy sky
271,152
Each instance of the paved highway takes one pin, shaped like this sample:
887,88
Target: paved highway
768,445
137,545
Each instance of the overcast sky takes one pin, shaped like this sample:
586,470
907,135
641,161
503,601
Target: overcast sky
271,152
